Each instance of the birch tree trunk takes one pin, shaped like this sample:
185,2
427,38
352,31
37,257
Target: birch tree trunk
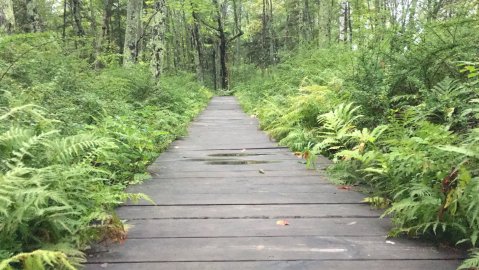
7,18
157,42
343,23
131,48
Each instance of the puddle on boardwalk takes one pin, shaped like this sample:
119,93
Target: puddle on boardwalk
237,155
239,162
227,161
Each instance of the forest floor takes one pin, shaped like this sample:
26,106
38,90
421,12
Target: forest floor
227,197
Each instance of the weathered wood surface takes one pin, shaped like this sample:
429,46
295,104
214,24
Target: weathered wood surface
220,191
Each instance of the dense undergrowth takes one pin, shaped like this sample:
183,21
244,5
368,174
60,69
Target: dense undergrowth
71,139
402,124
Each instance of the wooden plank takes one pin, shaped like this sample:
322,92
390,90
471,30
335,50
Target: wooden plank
246,211
219,181
219,165
157,173
237,185
164,198
271,248
291,265
232,186
157,228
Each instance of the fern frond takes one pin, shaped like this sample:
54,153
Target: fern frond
66,149
472,262
38,260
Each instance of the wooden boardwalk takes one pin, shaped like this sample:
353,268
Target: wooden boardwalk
220,192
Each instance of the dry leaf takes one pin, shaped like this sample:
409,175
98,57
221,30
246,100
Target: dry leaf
345,187
261,171
282,222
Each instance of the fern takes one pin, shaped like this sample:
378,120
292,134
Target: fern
79,147
37,260
472,262
336,127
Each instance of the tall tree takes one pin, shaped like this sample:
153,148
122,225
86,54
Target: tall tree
131,47
198,45
77,18
157,43
223,42
7,17
33,16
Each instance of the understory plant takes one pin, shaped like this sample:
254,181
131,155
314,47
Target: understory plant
412,146
71,140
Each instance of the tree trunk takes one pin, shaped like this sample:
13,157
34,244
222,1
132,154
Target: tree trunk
76,9
198,56
267,33
97,37
33,17
107,14
7,18
350,23
222,47
131,48
157,42
343,24
64,26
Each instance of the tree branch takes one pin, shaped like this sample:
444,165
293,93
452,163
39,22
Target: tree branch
236,36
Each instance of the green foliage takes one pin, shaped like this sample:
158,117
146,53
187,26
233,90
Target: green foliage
37,260
60,179
471,263
404,125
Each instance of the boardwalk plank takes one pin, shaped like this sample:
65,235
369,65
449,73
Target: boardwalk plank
291,265
157,228
247,211
270,248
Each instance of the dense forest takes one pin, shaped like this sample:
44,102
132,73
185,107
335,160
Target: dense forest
91,91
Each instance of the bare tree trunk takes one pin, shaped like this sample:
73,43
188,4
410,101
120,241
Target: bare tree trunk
97,40
157,43
222,47
7,17
131,48
33,17
350,23
120,39
76,9
267,38
198,56
64,26
106,27
343,23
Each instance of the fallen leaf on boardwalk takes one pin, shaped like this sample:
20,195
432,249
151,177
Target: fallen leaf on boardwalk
261,171
345,187
282,222
390,242
243,150
298,154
